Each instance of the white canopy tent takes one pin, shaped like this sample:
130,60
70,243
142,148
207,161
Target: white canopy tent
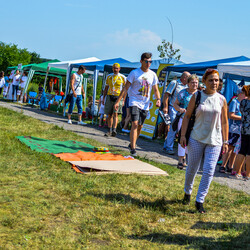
240,69
67,66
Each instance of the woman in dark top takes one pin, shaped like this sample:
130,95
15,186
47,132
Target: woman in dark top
244,154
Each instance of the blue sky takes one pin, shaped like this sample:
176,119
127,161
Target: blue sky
74,29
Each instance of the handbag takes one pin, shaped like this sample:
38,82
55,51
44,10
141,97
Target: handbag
192,119
176,121
70,96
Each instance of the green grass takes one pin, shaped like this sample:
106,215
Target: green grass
45,204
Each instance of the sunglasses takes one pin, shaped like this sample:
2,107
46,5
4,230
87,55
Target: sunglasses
147,61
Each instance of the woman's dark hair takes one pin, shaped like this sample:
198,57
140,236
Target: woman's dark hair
1,74
82,67
146,55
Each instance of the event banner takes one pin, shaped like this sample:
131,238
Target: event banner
150,122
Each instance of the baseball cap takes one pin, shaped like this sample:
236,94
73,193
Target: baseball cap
117,65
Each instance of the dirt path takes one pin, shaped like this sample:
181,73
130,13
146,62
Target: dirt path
148,149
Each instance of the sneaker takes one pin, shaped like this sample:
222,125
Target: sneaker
133,152
69,122
81,123
229,170
180,165
186,199
236,177
199,207
245,178
129,146
125,130
114,133
170,152
108,134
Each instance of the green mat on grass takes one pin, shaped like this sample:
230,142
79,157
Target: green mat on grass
54,147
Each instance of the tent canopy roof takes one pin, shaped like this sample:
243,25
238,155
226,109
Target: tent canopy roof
235,70
99,65
42,67
126,68
200,67
65,64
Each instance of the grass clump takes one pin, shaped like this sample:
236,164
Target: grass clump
44,204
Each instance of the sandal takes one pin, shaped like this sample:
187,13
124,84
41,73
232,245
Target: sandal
222,169
186,199
180,165
199,207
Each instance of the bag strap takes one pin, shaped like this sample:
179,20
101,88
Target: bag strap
78,84
197,101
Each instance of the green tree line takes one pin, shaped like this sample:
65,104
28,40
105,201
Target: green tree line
11,55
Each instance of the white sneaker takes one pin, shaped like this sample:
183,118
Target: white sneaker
81,123
69,122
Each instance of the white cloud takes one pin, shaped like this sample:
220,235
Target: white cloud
136,39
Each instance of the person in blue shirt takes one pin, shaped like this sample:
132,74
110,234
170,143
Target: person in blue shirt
234,116
180,105
170,95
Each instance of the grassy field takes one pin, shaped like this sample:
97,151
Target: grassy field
45,204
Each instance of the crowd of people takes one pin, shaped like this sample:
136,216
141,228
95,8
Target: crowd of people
200,114
206,125
17,84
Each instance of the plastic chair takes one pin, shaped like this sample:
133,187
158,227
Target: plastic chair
32,96
58,98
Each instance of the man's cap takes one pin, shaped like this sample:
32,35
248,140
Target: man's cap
117,65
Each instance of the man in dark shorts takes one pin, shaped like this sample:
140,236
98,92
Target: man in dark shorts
139,84
114,85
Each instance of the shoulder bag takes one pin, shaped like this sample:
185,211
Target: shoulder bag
192,119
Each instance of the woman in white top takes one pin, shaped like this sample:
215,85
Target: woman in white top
209,134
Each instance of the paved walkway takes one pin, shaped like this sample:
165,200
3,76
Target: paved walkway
148,149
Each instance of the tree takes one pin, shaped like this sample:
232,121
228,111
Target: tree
167,50
11,55
35,58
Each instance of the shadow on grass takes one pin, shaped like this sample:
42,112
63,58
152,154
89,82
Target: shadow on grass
201,242
158,204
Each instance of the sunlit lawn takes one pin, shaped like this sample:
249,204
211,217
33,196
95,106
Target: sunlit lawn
45,204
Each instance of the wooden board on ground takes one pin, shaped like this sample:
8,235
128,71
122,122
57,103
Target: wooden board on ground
122,167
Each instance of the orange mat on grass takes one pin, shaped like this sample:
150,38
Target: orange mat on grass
90,156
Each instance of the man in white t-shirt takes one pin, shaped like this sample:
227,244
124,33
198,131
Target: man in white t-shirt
77,94
23,81
139,84
15,84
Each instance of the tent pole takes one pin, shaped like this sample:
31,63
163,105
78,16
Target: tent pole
85,92
96,73
69,69
45,80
